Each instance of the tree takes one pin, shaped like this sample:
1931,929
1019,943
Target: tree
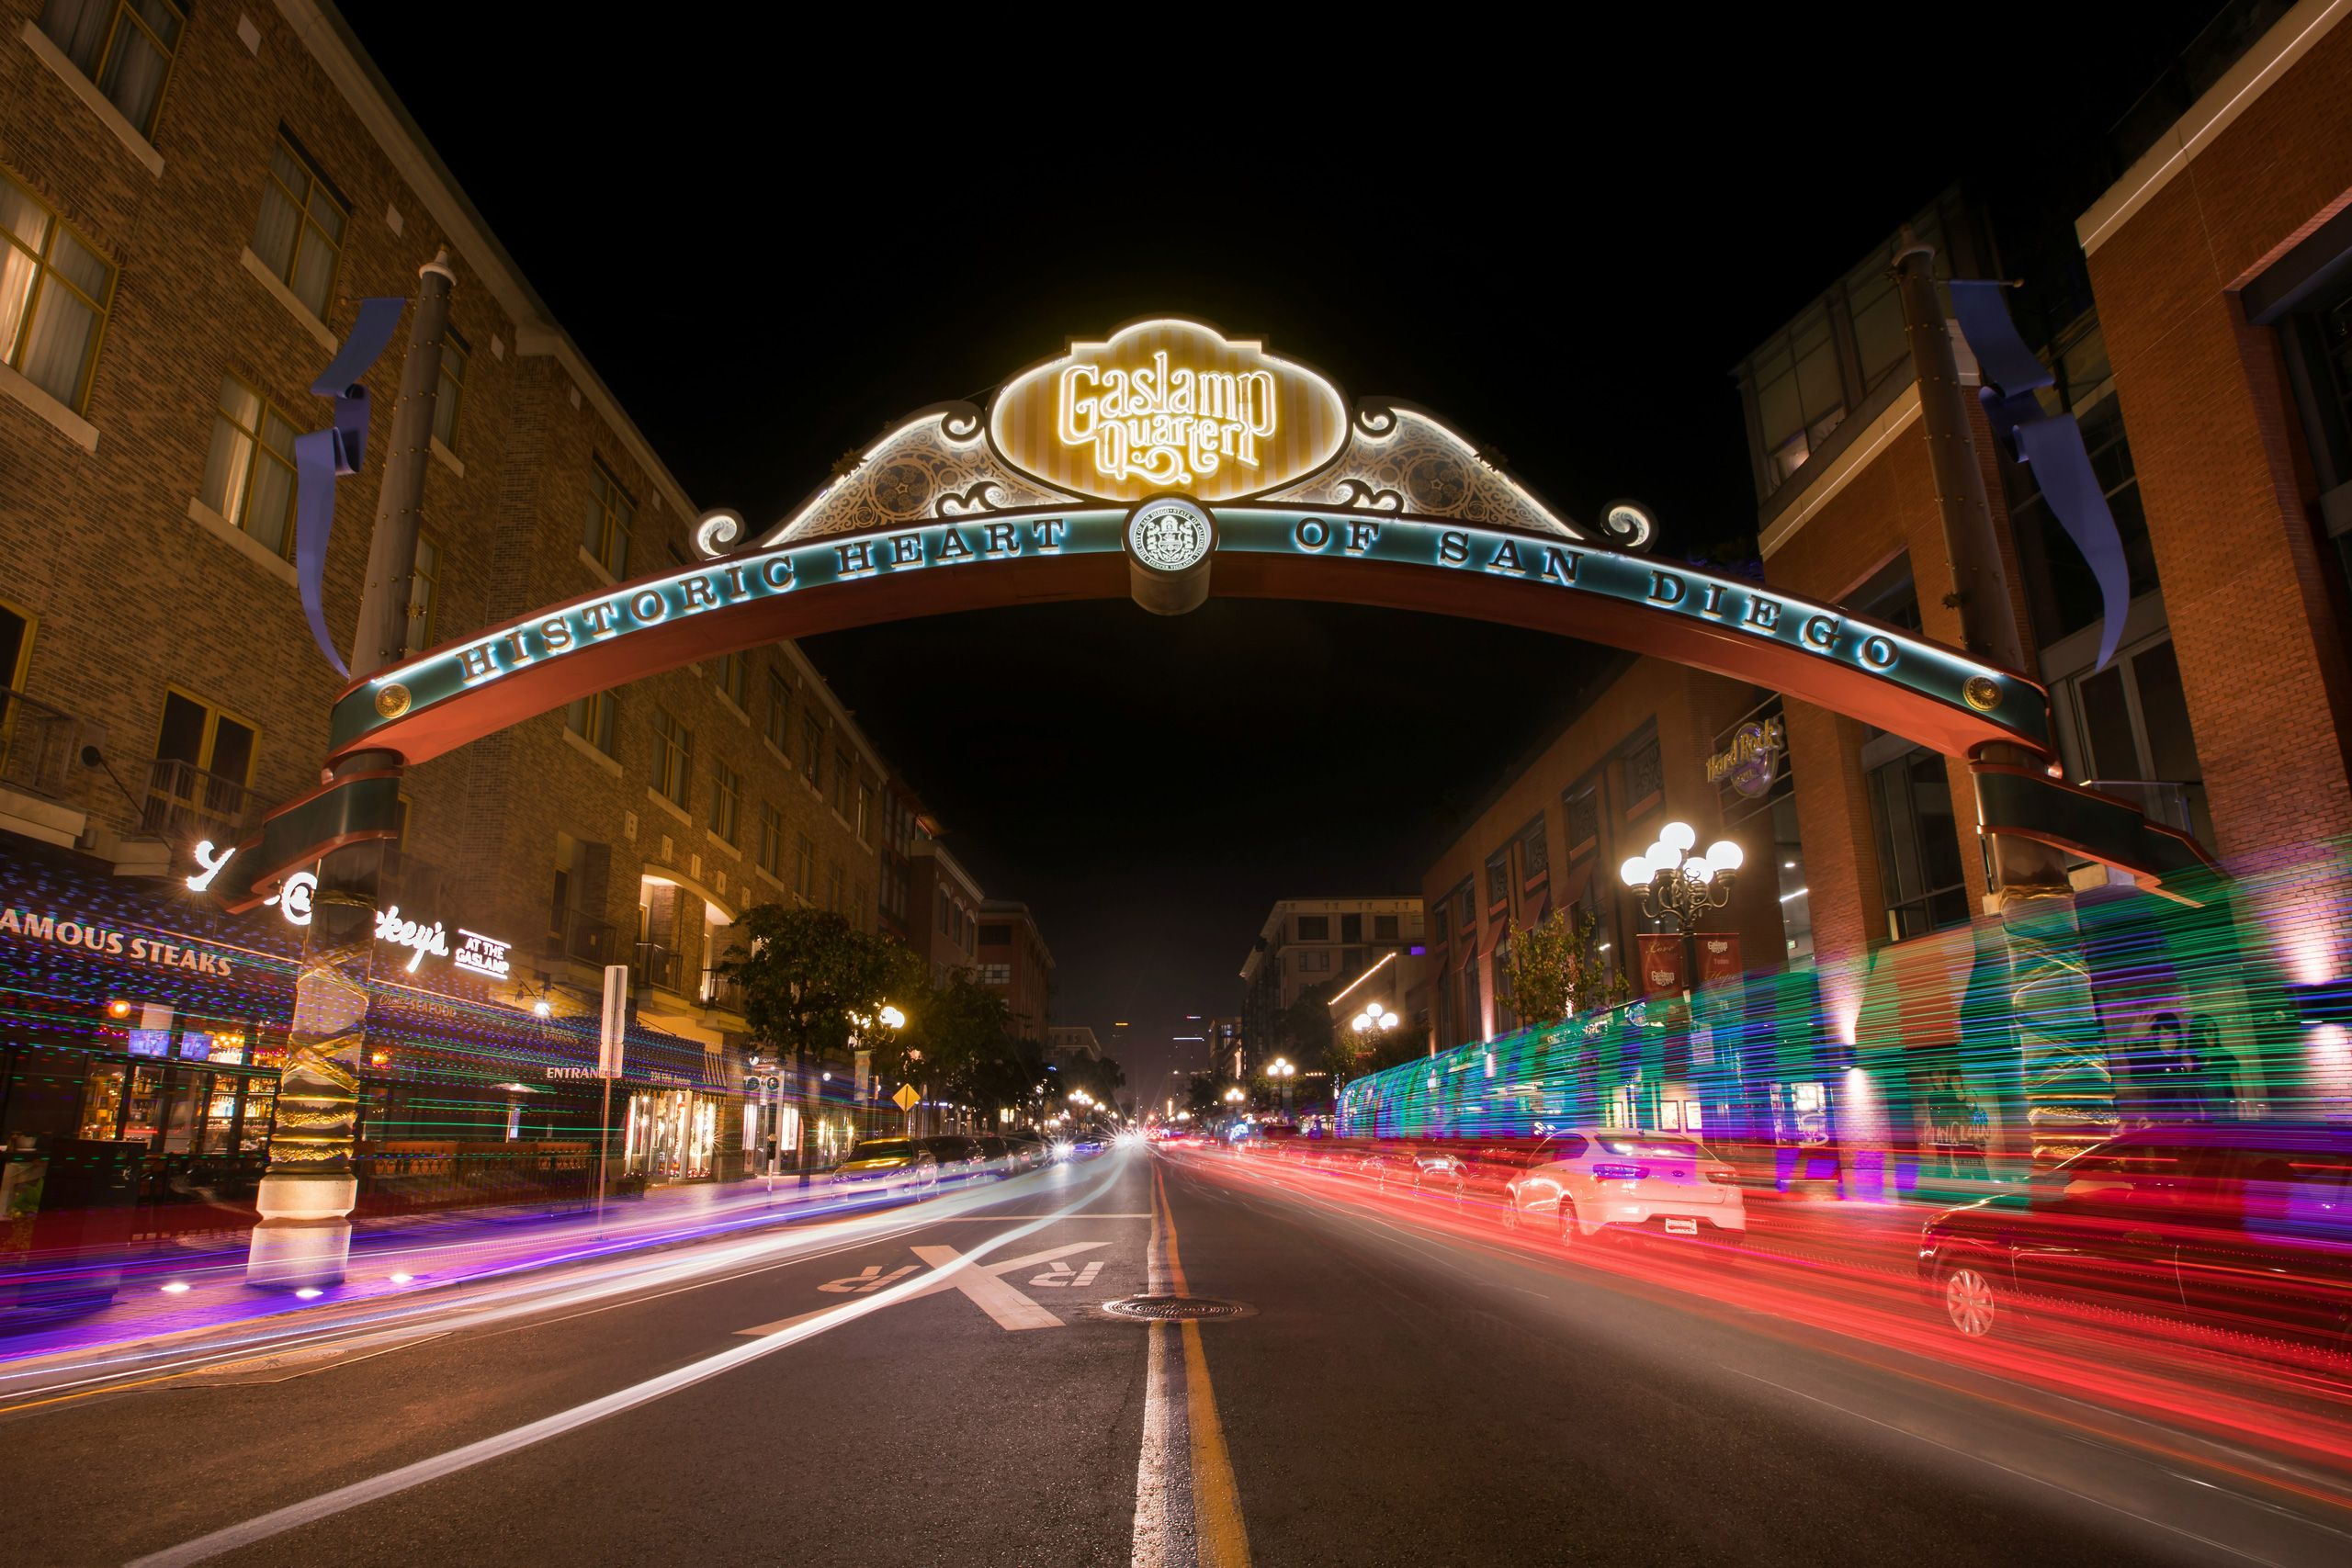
806,972
959,1045
1555,968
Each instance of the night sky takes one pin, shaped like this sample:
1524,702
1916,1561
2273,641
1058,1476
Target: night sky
771,243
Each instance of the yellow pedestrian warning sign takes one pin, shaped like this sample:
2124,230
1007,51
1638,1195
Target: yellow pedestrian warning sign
906,1097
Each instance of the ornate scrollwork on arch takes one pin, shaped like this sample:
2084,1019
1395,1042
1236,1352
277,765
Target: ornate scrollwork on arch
1404,459
936,464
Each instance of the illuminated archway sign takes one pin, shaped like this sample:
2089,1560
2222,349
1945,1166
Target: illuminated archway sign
1165,462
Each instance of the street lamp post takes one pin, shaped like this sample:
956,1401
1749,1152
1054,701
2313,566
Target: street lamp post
1678,887
1282,1071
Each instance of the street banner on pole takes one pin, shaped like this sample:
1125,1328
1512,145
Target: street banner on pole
1662,964
1718,957
615,1021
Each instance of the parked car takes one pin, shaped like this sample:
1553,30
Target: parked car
998,1151
2240,1227
960,1158
1588,1181
1420,1171
887,1164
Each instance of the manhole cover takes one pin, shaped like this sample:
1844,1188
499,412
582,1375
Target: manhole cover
1176,1309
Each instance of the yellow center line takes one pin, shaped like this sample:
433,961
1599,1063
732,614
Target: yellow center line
1223,1541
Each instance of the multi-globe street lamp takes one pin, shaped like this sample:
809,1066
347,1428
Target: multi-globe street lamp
1282,1070
1680,886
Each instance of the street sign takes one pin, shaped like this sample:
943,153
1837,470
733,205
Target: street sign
906,1098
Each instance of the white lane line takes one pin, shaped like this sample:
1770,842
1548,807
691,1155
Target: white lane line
1164,1536
2010,1470
343,1498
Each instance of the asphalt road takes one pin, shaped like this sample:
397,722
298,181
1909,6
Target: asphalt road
938,1385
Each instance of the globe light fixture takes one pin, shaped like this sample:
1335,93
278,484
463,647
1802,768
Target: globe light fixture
891,1017
1677,884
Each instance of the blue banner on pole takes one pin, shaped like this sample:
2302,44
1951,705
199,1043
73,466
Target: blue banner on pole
322,455
2049,445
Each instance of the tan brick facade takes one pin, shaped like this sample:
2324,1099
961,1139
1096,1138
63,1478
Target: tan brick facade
132,593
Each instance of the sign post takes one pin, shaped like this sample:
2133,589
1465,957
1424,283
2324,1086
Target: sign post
906,1100
613,1028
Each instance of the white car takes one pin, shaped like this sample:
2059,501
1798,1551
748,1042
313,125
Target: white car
1587,1180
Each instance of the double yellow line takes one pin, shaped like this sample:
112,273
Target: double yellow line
1220,1539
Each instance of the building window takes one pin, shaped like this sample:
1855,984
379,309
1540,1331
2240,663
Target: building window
424,594
1315,961
732,676
591,718
804,868
1582,810
996,974
249,473
604,524
674,756
864,812
996,936
204,761
1499,878
1918,845
452,392
834,882
771,841
2125,730
1384,928
812,742
124,46
1535,853
779,713
840,784
300,234
1314,928
1644,778
54,291
726,792
1800,396
1352,928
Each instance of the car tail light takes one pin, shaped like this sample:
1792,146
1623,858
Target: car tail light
1723,1175
1620,1172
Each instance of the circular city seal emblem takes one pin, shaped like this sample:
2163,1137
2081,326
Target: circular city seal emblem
1169,533
1981,692
393,701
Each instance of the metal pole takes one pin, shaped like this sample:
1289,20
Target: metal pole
306,1195
604,1149
2040,985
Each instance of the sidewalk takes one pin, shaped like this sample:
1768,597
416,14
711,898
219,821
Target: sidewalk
143,1290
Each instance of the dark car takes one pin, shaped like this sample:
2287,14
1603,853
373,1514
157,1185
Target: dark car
1000,1154
2246,1228
960,1158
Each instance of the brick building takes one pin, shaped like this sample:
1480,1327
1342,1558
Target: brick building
191,240
2197,324
1307,942
945,909
1014,961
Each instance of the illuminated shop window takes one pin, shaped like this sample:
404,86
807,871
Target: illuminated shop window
771,840
54,291
605,522
249,473
674,756
124,46
726,792
424,594
779,716
451,397
299,232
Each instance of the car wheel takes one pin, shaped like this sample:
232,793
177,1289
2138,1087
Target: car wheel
1512,1219
1564,1222
1973,1301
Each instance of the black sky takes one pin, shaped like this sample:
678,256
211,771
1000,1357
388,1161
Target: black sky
772,238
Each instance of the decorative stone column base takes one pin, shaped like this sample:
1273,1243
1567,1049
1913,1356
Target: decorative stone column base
304,1237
